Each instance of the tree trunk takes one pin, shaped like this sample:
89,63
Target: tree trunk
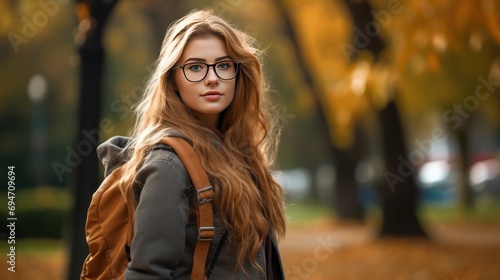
465,189
346,186
160,14
345,201
398,190
362,16
399,205
88,135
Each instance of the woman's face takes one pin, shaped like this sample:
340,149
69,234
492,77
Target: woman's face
211,95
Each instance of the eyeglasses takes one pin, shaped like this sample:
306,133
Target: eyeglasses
197,71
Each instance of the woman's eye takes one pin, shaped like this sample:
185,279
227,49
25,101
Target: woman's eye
195,67
224,65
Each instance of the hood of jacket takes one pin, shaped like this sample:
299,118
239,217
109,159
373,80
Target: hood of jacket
113,154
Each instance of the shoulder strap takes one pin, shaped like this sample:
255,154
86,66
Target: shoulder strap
204,194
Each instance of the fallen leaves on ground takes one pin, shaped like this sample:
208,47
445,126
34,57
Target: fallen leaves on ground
351,252
334,251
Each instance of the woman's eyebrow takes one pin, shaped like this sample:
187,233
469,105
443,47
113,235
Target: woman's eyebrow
223,57
197,59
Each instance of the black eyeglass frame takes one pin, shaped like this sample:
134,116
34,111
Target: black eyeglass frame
236,63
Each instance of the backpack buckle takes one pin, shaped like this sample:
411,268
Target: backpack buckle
207,198
206,233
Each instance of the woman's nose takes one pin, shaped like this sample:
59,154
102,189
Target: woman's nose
211,75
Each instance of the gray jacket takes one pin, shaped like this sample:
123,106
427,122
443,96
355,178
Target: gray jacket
165,230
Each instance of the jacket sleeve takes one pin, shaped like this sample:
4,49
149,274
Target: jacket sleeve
160,221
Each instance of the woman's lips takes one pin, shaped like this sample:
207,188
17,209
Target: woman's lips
212,95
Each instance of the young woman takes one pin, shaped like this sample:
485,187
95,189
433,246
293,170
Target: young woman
208,88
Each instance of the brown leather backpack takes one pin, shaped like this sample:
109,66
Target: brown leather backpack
110,220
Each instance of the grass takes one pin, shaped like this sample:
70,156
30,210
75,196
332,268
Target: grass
304,213
42,197
488,212
36,247
297,212
40,246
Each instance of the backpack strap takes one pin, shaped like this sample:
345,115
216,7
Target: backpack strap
204,194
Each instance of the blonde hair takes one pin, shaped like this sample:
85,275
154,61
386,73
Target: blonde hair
248,198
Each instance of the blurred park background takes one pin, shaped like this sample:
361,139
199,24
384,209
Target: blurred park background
391,128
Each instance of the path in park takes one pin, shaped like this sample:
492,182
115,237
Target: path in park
349,252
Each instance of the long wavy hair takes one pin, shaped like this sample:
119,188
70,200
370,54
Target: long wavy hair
248,198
